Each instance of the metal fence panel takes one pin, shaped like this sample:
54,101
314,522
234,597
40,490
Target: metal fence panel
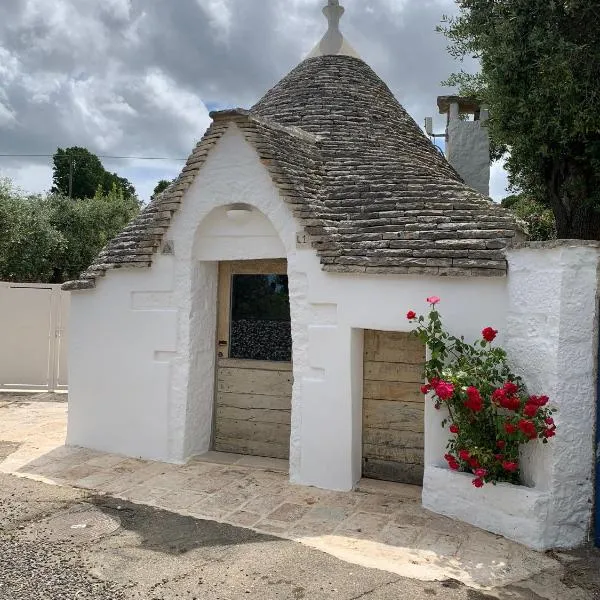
33,318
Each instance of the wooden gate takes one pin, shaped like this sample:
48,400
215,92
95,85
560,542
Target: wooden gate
393,407
254,369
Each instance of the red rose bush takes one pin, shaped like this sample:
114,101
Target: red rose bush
491,414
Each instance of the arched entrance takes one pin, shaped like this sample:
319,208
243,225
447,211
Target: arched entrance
253,392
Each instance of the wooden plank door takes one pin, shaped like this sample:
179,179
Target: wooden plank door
254,369
393,407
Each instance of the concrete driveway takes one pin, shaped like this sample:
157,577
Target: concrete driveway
237,520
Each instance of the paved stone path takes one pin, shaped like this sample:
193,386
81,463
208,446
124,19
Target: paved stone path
380,525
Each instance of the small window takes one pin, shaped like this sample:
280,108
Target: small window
260,318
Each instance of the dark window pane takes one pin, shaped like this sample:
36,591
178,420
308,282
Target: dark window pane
260,318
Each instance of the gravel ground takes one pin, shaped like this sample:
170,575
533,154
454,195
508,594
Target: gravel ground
64,544
29,571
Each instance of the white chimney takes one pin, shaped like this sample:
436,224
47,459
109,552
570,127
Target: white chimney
467,141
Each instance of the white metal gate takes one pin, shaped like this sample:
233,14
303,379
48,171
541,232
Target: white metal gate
33,336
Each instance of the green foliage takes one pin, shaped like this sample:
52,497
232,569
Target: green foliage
51,239
88,175
540,221
490,413
28,242
540,68
161,186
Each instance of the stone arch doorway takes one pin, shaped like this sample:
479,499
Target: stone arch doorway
253,392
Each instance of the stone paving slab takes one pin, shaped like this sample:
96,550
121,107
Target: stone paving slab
380,525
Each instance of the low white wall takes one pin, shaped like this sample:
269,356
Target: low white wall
552,337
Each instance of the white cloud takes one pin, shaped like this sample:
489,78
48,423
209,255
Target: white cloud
187,107
220,15
134,77
34,178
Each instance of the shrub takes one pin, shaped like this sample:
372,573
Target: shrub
491,414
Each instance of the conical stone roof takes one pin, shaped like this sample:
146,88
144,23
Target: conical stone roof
371,190
392,201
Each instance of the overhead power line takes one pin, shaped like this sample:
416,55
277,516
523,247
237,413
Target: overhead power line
98,155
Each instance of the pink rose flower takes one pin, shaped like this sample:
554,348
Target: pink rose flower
444,390
433,300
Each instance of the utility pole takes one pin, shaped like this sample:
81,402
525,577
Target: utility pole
70,176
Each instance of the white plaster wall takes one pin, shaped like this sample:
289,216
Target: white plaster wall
552,344
122,340
221,238
468,151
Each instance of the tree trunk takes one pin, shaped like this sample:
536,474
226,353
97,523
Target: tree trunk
576,216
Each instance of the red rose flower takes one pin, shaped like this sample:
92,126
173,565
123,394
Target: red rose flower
411,314
549,433
425,389
549,421
499,396
474,402
511,403
444,390
501,444
511,388
530,410
499,457
473,463
504,398
489,334
454,428
510,428
478,483
464,455
539,400
528,428
510,466
452,462
480,473
433,300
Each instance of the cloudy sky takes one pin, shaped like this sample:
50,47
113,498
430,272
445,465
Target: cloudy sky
137,78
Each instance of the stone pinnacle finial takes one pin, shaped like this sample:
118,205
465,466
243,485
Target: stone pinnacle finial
333,41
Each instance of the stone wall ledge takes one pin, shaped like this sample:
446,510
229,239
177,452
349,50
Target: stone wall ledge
518,513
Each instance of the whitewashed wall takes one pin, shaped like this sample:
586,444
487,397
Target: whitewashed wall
123,339
142,367
34,329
